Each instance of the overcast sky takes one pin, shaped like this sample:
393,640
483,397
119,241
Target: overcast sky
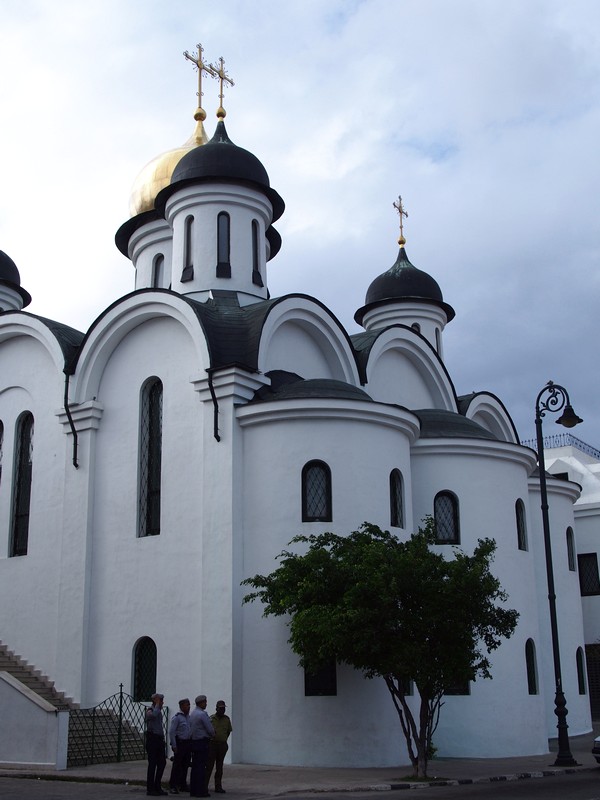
483,114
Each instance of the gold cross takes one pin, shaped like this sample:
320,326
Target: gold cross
201,67
402,213
219,72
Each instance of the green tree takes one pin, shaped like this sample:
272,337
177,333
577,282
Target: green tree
393,609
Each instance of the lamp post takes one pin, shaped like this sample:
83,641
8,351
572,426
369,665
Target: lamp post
554,398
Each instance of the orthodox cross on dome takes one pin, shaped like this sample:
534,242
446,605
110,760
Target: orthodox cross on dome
197,61
219,72
401,213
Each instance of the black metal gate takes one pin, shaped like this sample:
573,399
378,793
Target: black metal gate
111,731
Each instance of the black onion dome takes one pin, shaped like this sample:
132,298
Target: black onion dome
9,276
403,281
221,159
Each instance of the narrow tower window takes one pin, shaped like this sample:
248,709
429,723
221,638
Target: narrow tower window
445,512
188,258
1,447
530,661
316,492
580,658
150,458
144,669
521,526
396,499
223,245
256,276
22,485
158,272
571,550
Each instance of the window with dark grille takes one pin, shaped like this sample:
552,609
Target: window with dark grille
144,669
150,458
521,526
589,580
396,499
592,658
188,250
223,236
316,492
580,658
445,512
406,686
572,561
530,662
322,683
256,276
22,485
462,688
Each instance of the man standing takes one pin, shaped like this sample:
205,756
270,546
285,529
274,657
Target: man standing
201,732
179,738
218,746
155,747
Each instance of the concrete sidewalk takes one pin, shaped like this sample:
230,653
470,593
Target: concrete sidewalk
251,780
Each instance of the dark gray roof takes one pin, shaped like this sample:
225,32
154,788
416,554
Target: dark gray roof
403,282
9,276
69,339
290,386
436,423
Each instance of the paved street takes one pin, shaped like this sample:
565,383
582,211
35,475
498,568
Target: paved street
583,785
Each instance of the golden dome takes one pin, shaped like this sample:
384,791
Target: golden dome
157,173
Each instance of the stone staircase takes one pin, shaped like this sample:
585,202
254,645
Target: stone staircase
33,679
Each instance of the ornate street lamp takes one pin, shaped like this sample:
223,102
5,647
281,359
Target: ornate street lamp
554,398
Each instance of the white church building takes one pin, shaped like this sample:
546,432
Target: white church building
152,462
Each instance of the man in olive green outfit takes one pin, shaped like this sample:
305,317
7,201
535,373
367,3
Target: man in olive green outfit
218,746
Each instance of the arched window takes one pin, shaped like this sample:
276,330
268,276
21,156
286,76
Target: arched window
580,658
22,485
530,661
438,341
521,526
396,499
223,245
158,272
416,327
445,512
316,492
144,669
571,550
256,276
188,250
150,458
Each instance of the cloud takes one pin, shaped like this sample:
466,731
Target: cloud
484,115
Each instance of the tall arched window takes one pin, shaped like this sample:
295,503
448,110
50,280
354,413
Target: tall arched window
144,669
223,245
150,458
316,492
158,272
580,658
445,512
571,550
396,499
22,485
521,525
188,250
530,661
256,276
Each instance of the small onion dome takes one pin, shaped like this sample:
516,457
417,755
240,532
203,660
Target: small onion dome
221,160
402,282
157,173
9,276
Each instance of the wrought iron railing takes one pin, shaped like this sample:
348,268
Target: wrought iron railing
112,731
563,440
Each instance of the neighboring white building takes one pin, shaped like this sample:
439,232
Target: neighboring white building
153,462
569,458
